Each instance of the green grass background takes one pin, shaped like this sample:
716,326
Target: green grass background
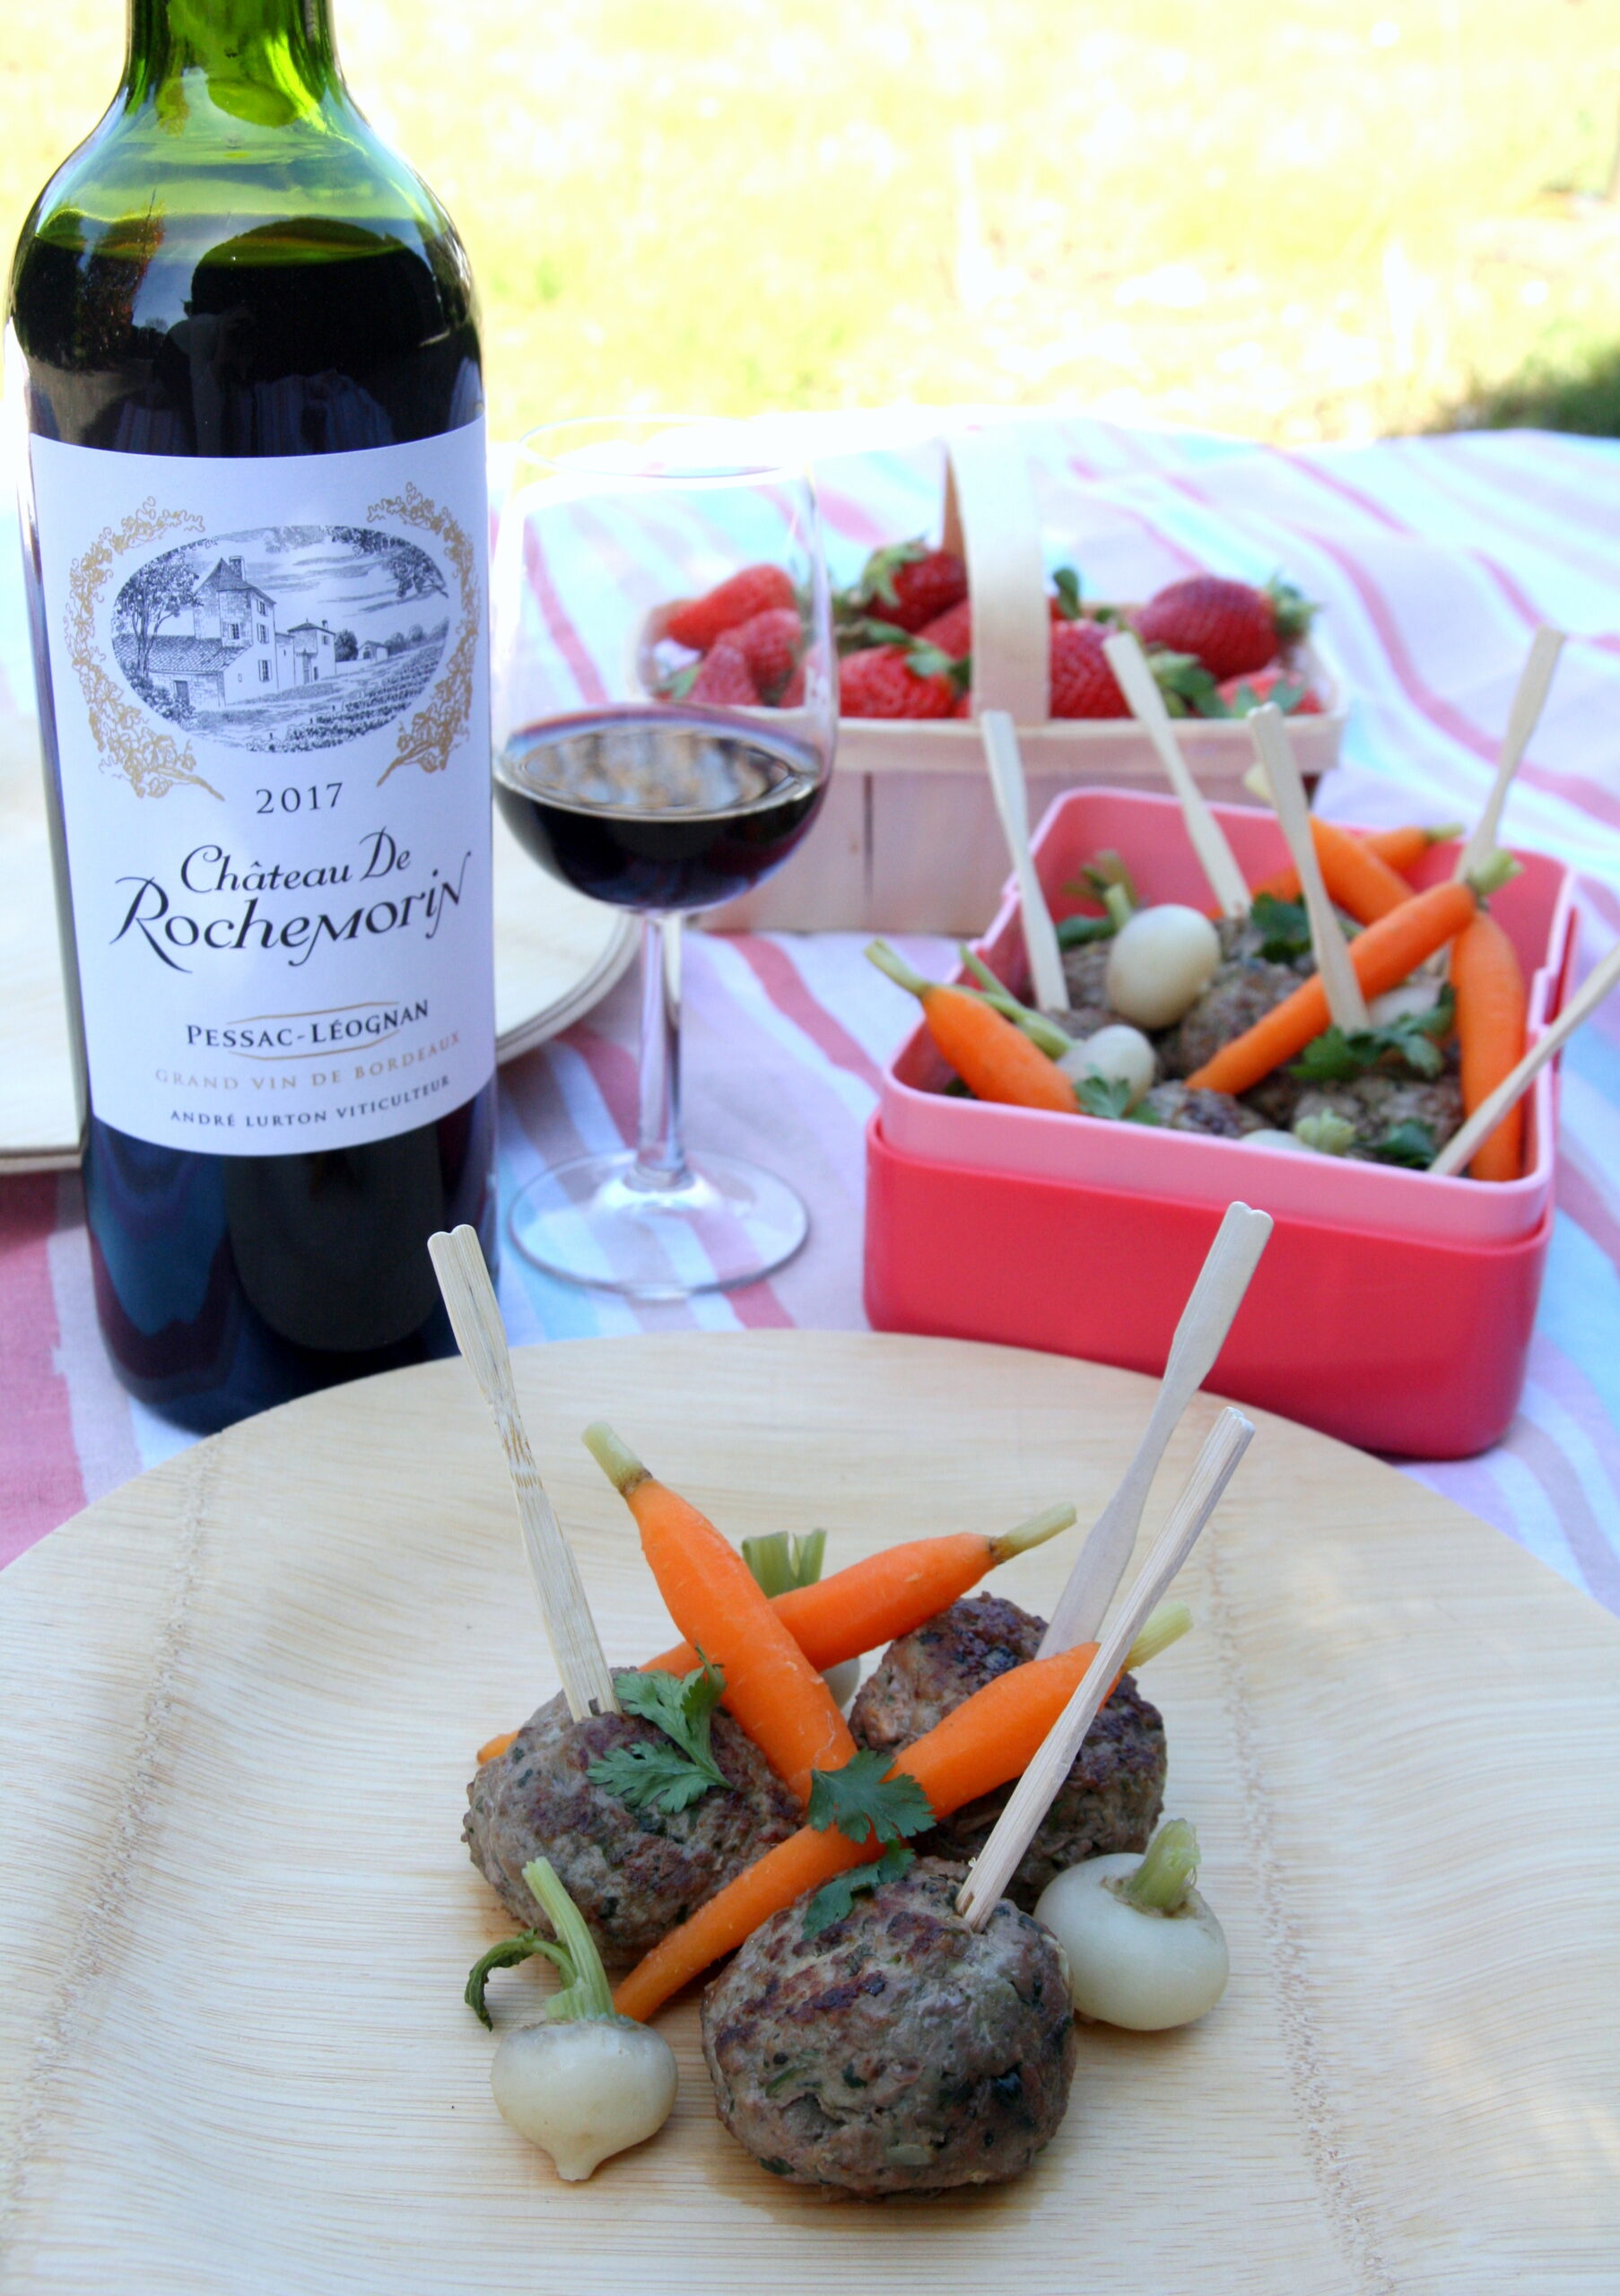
1324,221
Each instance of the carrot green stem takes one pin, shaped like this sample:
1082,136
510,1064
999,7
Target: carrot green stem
617,1460
1160,1629
1500,869
898,971
1170,1867
1444,832
1045,1034
1034,1532
586,1992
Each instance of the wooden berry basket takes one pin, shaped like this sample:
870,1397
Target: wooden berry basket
908,840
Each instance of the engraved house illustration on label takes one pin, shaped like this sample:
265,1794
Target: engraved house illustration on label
286,637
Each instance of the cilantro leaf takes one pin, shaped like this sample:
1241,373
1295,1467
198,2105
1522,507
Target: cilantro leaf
1410,1143
1104,1096
1283,926
1412,1042
1075,932
836,1898
865,1804
668,1777
648,1775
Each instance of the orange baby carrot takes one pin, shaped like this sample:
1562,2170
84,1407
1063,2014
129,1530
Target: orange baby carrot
990,1738
771,1688
492,1747
991,1054
1382,957
1398,849
1359,880
1488,983
887,1595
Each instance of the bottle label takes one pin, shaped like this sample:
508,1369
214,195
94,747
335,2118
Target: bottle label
270,680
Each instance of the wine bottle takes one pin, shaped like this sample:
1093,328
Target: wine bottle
255,523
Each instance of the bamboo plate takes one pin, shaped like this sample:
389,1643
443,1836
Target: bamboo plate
242,1694
556,955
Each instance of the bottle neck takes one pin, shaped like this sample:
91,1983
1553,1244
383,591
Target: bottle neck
282,48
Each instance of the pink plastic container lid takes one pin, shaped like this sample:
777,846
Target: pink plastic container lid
920,1120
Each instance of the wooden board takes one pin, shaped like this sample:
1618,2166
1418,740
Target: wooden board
556,953
235,1915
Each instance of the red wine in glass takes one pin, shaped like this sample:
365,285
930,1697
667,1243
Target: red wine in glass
660,809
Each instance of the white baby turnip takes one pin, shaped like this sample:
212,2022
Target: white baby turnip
588,2082
1144,1950
1118,1054
1160,962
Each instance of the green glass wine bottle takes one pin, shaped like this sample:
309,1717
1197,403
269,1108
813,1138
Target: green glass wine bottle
256,526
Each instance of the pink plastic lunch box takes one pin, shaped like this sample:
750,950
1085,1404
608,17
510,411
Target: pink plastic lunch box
1391,1308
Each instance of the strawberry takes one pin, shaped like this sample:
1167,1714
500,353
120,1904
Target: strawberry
769,643
724,677
792,695
697,623
1276,682
910,584
1082,684
952,631
896,681
1230,626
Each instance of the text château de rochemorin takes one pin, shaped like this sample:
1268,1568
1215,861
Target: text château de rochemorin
245,336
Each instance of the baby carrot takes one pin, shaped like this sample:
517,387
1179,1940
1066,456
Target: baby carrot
492,1747
1358,879
989,1738
1491,1004
887,1595
1382,957
1398,849
771,1688
993,1057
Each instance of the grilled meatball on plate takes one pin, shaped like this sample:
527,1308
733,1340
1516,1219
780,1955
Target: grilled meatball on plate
1112,1795
897,2051
633,1874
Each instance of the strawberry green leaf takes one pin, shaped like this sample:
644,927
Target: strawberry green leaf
1065,582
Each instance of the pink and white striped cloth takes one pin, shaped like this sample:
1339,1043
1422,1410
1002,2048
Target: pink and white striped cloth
1434,559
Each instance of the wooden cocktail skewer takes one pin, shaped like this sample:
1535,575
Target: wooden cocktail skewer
1199,1337
1130,665
1528,699
1000,739
469,1299
1462,1146
1014,1830
1347,1006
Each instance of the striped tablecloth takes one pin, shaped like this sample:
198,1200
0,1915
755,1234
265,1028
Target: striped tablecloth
1434,558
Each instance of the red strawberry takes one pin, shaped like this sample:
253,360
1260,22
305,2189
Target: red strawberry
1082,684
964,706
723,676
1232,627
697,623
1276,682
895,682
769,643
792,695
911,585
952,631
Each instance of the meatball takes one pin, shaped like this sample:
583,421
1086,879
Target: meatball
1112,1795
1086,975
1244,991
1186,1108
1374,1104
899,2050
633,1874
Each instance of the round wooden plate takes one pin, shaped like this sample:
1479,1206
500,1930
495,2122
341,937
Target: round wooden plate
556,955
241,1699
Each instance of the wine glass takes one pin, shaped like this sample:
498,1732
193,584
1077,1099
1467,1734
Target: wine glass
647,762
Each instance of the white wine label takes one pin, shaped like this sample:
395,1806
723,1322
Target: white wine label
270,680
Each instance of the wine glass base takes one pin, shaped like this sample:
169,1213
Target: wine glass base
598,1222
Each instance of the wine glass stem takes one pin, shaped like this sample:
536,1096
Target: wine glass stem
660,1151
